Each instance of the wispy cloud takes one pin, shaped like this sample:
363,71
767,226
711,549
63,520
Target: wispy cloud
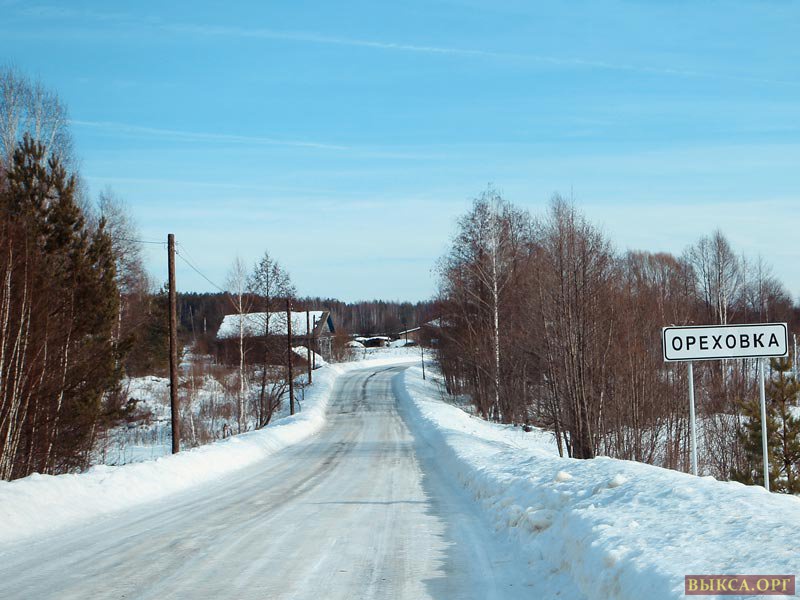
296,36
57,12
212,185
570,62
195,136
48,11
124,129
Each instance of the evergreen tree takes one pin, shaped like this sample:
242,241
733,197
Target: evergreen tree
59,305
783,433
750,438
784,392
149,344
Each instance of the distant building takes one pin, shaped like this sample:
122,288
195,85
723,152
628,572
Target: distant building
270,327
375,341
425,333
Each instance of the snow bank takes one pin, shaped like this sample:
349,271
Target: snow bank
369,357
302,352
42,503
620,529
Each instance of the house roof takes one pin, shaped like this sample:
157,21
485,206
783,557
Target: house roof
413,329
255,324
434,323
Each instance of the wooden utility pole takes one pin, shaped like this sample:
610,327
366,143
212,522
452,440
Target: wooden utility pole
308,343
289,338
422,352
173,348
314,343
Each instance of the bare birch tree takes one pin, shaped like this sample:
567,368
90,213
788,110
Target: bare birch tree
28,107
240,299
269,284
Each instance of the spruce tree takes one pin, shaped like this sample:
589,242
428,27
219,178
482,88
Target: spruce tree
752,472
784,391
783,433
62,301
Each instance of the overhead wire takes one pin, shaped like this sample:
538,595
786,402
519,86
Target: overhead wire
194,268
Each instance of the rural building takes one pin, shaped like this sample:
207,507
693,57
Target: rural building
271,329
425,333
375,341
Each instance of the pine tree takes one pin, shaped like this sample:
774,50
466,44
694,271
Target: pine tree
750,437
783,433
58,306
784,393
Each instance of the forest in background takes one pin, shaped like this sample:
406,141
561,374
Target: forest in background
200,315
544,322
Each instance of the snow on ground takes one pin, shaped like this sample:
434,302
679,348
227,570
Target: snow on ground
385,356
620,529
302,352
41,503
146,439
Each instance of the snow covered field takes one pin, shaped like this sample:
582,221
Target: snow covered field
620,529
207,410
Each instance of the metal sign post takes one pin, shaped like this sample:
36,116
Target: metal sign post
720,342
763,397
692,421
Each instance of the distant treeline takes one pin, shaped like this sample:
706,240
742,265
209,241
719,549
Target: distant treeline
200,314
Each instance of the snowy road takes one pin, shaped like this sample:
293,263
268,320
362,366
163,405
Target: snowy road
361,510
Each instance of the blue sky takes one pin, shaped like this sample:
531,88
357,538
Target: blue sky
347,137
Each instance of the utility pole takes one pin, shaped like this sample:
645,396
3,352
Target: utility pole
314,343
173,348
308,343
289,338
422,352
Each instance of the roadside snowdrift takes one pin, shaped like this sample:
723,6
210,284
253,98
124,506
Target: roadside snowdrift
620,529
41,503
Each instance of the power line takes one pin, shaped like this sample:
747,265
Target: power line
187,253
196,270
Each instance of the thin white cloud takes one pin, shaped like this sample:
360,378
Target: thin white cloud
193,136
310,37
294,36
57,12
125,129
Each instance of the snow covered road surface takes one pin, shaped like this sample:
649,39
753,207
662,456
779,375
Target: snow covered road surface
360,510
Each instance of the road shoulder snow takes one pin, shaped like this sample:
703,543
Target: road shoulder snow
620,529
39,504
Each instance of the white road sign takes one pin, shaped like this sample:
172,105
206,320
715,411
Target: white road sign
714,342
